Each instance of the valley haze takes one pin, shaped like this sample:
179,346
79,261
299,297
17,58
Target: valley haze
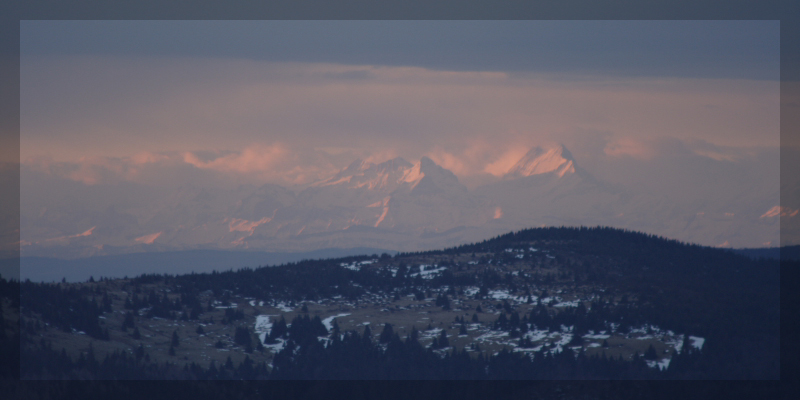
394,205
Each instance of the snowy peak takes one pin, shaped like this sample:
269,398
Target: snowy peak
427,168
361,174
433,170
426,177
557,160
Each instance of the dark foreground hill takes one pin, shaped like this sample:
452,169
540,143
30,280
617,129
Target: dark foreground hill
787,253
539,304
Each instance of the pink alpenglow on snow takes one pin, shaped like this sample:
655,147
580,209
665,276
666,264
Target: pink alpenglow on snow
148,239
780,211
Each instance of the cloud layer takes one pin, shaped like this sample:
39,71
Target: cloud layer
90,106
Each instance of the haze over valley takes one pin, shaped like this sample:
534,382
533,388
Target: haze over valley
394,205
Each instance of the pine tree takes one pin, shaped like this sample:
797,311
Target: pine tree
414,335
651,354
367,334
335,330
242,336
260,346
443,342
139,353
175,339
128,322
387,333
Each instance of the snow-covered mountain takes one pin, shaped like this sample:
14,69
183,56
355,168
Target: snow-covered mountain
547,187
557,160
395,205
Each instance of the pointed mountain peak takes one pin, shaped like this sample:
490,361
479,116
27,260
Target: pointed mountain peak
355,165
430,168
365,174
426,162
564,152
557,160
395,163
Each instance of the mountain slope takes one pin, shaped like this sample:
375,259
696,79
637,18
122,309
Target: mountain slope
557,160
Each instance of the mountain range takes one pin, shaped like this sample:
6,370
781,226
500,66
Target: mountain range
393,205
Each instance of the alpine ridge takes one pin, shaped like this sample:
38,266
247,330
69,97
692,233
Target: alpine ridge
394,205
557,160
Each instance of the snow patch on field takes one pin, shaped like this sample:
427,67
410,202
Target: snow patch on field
263,326
697,341
356,265
328,322
428,271
471,291
276,347
218,305
593,335
284,307
573,303
663,364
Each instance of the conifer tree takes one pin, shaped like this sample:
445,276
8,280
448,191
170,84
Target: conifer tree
335,330
414,335
651,354
367,334
128,322
443,342
386,335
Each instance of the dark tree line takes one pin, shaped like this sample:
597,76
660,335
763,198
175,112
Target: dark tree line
729,299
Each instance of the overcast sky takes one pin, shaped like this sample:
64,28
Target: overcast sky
291,101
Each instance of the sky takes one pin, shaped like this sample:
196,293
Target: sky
290,102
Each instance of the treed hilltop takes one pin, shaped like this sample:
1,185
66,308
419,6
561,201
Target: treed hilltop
544,303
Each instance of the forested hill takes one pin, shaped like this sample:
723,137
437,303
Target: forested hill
787,253
543,303
690,285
